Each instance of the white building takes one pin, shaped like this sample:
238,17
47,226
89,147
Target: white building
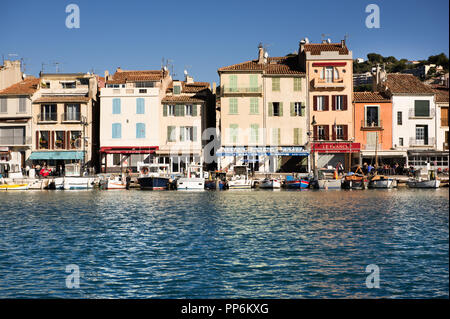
129,112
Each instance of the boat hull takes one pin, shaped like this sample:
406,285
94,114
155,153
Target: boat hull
240,184
14,187
329,184
297,184
271,184
383,183
153,183
424,184
354,184
190,184
78,183
221,185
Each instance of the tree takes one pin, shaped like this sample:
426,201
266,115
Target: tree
375,58
440,59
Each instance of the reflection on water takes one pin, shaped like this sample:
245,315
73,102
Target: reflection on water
288,244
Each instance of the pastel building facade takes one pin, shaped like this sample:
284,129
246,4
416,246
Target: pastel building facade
10,73
263,115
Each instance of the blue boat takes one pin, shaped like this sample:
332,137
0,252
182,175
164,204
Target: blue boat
294,183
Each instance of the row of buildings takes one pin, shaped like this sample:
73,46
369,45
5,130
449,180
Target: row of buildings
274,114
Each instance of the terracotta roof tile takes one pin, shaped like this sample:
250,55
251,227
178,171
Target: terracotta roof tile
442,95
370,97
406,83
274,65
181,98
317,48
62,99
135,76
25,87
195,87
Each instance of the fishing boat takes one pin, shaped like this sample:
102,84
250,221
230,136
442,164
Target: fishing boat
73,181
194,179
430,181
216,180
13,187
240,179
113,182
270,183
55,183
296,183
329,184
153,176
355,179
382,181
38,184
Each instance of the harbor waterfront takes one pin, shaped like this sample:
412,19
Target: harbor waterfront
233,244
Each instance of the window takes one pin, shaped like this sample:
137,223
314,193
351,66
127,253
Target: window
253,83
13,135
144,84
233,83
275,84
276,136
116,159
422,134
254,133
339,102
422,108
329,74
399,118
22,105
339,132
188,109
143,91
140,130
113,86
116,106
171,110
72,112
3,105
171,135
233,106
48,112
297,84
372,118
75,139
176,89
321,132
297,136
44,140
188,133
400,141
60,139
298,109
116,130
68,85
140,105
254,107
233,133
320,103
277,109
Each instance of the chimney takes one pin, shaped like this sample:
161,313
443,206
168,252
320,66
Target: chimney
119,69
301,46
106,75
189,79
260,54
342,43
214,88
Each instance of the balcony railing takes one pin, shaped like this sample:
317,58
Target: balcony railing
444,121
71,117
15,140
365,124
240,90
412,114
421,142
323,83
48,117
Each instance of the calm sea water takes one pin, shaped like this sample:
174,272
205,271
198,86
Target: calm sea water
231,244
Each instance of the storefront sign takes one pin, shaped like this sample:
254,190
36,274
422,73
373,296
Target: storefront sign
327,147
262,151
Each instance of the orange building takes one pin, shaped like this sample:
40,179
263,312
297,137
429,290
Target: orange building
373,127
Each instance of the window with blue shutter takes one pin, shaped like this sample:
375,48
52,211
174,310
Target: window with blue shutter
116,106
117,130
140,106
140,130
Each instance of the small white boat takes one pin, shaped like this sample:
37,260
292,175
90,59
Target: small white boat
113,182
417,183
329,183
38,184
73,183
240,180
13,187
270,183
194,179
381,181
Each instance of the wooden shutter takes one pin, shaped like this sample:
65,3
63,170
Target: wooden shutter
292,108
333,133
345,106
270,108
326,102
303,109
333,102
194,110
316,130
64,140
68,140
296,142
37,140
345,129
182,110
315,103
327,132
164,109
52,139
181,133
281,109
194,134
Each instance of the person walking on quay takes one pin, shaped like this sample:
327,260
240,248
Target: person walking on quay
369,169
340,169
128,179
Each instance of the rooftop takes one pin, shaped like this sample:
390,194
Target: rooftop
370,97
123,76
25,87
318,48
274,65
401,83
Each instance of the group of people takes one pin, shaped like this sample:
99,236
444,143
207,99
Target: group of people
385,169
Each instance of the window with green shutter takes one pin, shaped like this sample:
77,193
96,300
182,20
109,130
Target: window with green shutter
276,136
297,84
194,110
296,136
233,133
140,105
233,106
182,133
422,108
194,134
176,89
253,83
171,137
233,83
254,107
254,133
275,84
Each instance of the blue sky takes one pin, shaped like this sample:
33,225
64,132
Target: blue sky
205,35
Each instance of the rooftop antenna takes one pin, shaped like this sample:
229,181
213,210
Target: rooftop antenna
324,35
346,37
56,64
171,65
42,67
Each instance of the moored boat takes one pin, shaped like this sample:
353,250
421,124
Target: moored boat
194,179
153,176
270,183
78,183
240,179
414,183
11,187
381,181
355,180
296,183
113,182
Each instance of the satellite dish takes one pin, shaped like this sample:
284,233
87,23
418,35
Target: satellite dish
185,72
266,54
165,68
328,40
306,40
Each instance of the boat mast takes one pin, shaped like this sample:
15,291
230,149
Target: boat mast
376,151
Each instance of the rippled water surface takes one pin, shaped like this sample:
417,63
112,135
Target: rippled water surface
231,244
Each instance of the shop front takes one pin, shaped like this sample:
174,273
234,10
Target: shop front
435,159
116,159
330,154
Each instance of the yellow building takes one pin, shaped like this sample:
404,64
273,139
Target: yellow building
263,114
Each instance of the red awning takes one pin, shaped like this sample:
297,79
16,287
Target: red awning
129,150
330,147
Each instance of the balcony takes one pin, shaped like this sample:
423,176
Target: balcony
72,117
241,90
15,140
47,117
365,125
412,114
429,142
327,83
